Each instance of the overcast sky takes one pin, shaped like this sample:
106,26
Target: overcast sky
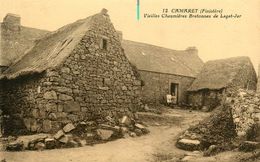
214,38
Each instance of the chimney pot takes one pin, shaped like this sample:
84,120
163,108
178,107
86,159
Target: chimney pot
104,11
12,22
192,50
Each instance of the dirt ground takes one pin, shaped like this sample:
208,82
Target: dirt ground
158,146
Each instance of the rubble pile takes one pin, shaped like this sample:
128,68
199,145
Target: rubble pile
77,135
235,123
218,129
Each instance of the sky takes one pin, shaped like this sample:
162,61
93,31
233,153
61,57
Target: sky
214,38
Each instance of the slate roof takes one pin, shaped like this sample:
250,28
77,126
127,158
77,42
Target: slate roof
218,74
163,60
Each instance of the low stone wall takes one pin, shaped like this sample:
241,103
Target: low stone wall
246,113
209,99
218,129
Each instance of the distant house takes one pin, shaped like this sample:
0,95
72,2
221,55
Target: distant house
219,78
15,39
78,72
163,71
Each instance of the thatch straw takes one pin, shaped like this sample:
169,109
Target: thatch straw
218,74
50,51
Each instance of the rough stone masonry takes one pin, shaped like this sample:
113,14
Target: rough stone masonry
237,119
245,108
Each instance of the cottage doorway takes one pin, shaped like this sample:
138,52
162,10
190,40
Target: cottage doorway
174,90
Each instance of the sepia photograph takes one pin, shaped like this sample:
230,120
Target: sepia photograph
129,81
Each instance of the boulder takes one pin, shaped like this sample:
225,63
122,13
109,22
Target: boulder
82,142
104,134
248,146
187,158
145,131
68,128
71,106
132,134
65,97
108,127
72,144
39,146
139,126
50,143
59,134
15,146
188,144
50,95
212,150
89,136
31,139
126,121
64,139
138,132
124,130
46,126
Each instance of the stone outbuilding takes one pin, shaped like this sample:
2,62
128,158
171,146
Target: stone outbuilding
163,71
220,78
76,73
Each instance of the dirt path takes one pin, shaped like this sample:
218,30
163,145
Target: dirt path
157,146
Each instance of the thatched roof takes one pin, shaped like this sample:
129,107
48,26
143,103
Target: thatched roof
218,74
163,60
50,50
14,44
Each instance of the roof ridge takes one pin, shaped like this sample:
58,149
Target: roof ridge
230,58
42,58
157,46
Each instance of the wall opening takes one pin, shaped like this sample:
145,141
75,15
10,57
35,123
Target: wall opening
104,44
174,90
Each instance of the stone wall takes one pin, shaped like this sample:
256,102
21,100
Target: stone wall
157,86
92,84
246,113
236,120
207,98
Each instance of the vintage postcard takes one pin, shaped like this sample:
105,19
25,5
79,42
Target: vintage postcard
129,81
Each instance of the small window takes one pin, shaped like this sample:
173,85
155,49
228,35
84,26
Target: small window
104,44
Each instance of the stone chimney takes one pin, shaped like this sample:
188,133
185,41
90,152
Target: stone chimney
192,50
12,22
120,35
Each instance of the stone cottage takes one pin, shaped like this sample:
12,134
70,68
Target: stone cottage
163,71
78,72
221,77
15,39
